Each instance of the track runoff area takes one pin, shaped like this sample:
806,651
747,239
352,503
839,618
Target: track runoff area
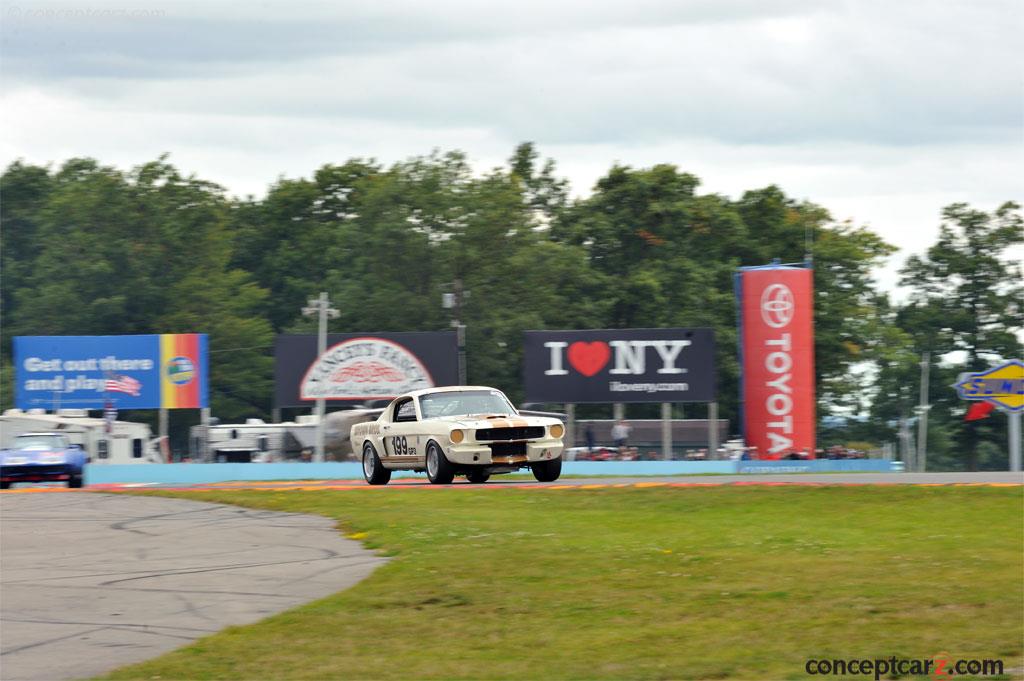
992,479
713,576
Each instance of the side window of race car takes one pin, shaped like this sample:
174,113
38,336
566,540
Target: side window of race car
405,411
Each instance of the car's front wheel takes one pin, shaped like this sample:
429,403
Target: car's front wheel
373,469
75,480
547,471
478,477
439,470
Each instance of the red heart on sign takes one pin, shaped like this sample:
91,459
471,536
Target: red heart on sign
589,358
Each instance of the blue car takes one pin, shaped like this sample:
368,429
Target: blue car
42,457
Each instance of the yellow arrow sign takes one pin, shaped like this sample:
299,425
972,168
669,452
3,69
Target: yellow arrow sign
1003,386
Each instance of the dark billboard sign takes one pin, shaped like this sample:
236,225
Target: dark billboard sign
362,366
620,365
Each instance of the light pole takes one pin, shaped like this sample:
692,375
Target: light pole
322,308
453,301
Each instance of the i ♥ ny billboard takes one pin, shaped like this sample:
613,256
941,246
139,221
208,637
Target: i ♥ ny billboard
619,365
777,338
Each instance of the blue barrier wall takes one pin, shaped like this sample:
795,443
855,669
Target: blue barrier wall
816,466
626,468
196,473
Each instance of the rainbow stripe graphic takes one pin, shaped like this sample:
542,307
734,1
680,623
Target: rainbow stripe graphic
183,372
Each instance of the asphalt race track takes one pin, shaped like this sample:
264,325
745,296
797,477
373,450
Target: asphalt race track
90,582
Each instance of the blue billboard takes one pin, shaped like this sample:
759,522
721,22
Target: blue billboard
126,372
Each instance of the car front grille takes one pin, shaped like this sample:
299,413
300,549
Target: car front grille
518,433
508,449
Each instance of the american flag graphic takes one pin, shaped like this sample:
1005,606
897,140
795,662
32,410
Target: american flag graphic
122,384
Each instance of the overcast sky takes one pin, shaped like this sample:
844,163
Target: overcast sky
882,111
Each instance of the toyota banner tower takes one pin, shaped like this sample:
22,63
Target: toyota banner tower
776,337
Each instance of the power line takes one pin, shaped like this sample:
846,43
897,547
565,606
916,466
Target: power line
251,347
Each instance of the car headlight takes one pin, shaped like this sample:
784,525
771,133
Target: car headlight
557,430
457,436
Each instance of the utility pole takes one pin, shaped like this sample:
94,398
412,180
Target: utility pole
922,417
322,308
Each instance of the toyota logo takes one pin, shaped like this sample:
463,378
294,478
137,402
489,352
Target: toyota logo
777,306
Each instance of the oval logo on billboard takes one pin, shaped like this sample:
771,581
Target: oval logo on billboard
362,369
777,306
180,370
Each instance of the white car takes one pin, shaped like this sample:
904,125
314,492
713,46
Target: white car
463,430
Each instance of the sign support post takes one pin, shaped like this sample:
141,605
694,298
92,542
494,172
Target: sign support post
712,430
666,430
204,421
570,424
1014,418
164,414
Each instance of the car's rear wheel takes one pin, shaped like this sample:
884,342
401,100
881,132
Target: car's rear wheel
439,470
5,485
373,469
547,471
76,481
478,477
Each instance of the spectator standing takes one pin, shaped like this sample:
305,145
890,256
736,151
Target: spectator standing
620,433
589,435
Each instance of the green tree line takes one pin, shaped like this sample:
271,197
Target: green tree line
91,249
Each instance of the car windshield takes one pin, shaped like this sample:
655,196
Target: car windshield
461,402
40,442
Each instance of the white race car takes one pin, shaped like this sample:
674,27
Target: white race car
462,430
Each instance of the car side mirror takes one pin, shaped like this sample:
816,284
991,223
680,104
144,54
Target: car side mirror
88,459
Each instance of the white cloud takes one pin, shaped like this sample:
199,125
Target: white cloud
883,112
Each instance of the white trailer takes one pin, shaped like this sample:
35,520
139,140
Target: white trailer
258,442
124,443
251,442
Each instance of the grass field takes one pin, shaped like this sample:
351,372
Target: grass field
700,583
